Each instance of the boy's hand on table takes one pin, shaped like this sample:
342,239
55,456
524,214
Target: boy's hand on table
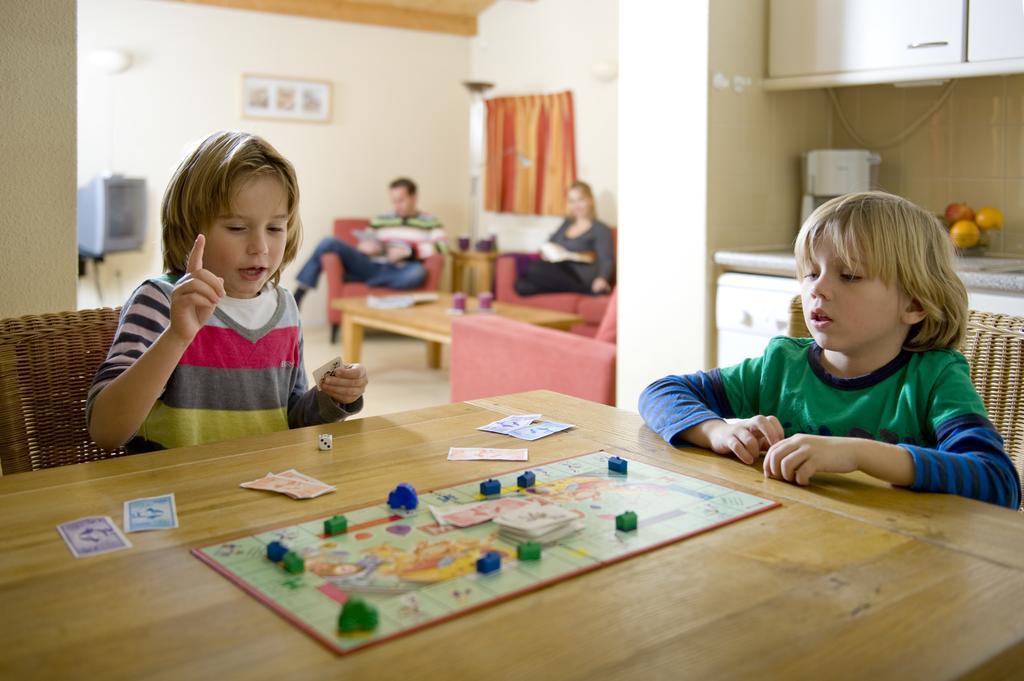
746,438
798,458
347,384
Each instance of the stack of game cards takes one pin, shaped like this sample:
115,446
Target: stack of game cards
292,483
543,523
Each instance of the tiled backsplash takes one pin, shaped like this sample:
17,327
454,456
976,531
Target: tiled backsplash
970,150
755,137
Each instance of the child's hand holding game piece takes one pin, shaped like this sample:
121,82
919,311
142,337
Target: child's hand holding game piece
798,458
195,296
746,438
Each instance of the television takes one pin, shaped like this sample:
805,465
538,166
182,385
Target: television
111,215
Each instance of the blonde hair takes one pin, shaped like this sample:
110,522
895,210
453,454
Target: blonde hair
881,235
584,189
204,184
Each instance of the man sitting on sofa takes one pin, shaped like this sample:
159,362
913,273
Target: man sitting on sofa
389,251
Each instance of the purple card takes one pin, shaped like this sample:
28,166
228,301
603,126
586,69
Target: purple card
536,431
509,423
92,536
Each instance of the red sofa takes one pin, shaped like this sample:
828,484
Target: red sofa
334,272
591,308
492,355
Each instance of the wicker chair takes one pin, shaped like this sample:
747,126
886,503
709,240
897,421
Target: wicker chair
47,363
994,348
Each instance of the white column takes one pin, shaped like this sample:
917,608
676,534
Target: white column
662,259
477,134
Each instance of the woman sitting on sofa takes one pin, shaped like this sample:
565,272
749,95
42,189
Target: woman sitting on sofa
579,257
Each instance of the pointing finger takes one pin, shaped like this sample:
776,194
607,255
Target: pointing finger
195,256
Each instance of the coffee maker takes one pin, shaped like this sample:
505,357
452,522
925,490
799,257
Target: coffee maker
828,173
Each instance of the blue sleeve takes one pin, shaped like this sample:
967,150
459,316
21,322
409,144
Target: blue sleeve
675,403
968,460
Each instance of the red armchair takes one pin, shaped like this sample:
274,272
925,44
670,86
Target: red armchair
334,271
492,355
591,308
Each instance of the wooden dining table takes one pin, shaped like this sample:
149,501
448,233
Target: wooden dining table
848,578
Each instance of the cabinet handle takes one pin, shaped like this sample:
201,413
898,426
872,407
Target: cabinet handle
934,43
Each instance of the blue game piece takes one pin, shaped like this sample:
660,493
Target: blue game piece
489,487
276,551
617,465
490,562
526,479
403,496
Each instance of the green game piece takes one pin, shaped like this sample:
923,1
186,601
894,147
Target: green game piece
626,522
357,615
528,551
293,562
336,525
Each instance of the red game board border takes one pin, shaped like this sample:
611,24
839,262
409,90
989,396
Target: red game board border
330,645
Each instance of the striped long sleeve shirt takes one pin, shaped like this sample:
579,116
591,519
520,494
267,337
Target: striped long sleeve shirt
423,233
231,382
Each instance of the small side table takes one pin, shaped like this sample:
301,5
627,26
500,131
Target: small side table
473,271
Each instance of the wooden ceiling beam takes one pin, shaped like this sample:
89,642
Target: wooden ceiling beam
360,13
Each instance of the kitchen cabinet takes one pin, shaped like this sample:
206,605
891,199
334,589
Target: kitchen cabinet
995,30
834,43
827,36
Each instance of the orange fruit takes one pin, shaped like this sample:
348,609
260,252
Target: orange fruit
989,218
965,234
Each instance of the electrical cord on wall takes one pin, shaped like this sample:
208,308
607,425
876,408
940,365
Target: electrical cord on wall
898,138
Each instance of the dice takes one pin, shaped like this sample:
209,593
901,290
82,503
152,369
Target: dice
325,442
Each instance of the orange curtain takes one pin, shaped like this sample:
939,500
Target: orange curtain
531,153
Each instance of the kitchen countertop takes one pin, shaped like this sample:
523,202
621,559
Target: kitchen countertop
997,273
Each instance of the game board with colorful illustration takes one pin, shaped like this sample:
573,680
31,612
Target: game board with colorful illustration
417,573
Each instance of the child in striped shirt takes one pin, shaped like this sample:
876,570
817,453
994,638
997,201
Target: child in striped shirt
879,387
212,349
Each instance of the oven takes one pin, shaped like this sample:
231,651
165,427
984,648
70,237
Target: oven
750,310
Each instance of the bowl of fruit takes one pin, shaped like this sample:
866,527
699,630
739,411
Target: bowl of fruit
970,230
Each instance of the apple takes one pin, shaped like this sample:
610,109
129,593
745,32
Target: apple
955,212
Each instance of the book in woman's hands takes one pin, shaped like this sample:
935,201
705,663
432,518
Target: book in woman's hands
552,252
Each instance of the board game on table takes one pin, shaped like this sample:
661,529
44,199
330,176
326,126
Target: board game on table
417,573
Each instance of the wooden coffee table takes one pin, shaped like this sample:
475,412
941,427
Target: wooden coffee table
430,322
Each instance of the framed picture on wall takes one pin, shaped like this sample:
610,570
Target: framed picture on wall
281,98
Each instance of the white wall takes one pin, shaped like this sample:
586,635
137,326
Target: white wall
37,140
663,127
399,109
551,46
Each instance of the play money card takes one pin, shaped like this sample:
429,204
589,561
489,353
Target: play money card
150,513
